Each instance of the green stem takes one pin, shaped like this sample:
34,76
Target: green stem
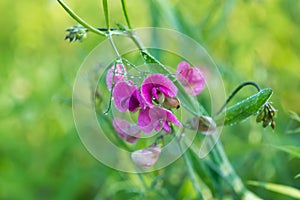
236,91
142,181
191,173
190,169
79,20
229,174
124,7
119,57
106,14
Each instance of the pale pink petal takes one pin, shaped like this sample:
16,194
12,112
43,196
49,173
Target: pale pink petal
146,157
126,131
118,75
204,124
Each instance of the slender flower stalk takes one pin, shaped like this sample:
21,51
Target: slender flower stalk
191,173
106,14
124,7
79,20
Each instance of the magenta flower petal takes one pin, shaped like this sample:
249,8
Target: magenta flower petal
127,97
191,78
126,131
156,118
146,157
118,75
154,86
122,93
144,120
136,101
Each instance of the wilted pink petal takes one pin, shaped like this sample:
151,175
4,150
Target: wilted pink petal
156,118
204,124
156,85
118,75
191,78
146,157
126,131
127,96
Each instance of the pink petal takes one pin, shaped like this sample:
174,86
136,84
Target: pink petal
122,93
126,131
146,157
156,118
118,75
160,82
144,121
191,78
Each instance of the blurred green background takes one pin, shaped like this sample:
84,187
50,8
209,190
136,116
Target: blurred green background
41,156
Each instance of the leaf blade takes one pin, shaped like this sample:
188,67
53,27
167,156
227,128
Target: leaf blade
244,109
281,189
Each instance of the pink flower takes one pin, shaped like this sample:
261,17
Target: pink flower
146,157
156,118
118,75
191,78
127,97
156,85
126,131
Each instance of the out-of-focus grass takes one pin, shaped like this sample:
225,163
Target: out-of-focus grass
41,154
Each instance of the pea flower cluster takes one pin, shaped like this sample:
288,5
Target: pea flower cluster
154,100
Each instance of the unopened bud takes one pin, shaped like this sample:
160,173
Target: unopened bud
171,102
146,157
203,124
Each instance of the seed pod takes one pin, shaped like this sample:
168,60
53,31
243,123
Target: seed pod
266,122
273,124
261,115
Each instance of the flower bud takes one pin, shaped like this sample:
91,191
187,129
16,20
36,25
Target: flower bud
171,102
146,157
204,124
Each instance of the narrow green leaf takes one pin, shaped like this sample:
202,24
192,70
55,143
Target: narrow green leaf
281,189
297,176
186,100
244,109
293,131
292,150
294,116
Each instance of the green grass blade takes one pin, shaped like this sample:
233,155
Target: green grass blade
281,189
292,150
